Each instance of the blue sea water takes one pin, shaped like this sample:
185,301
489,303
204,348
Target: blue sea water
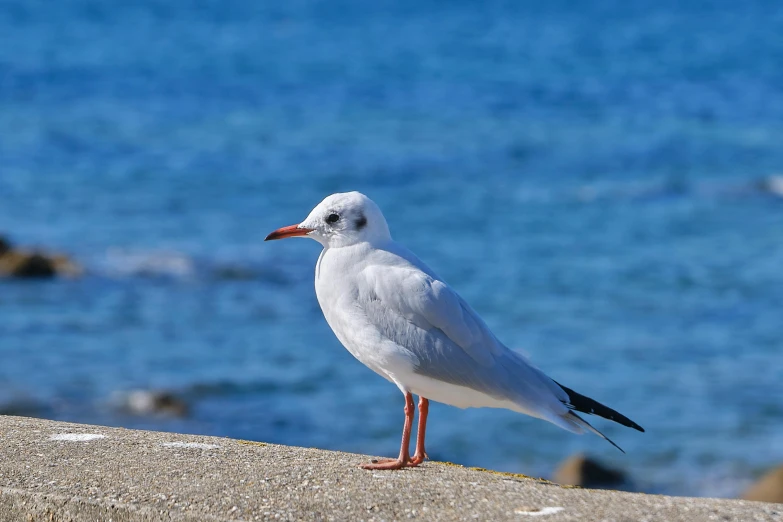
588,177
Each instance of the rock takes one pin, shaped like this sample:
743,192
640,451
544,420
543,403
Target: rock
153,402
768,488
65,266
24,264
27,265
63,471
23,407
5,245
581,470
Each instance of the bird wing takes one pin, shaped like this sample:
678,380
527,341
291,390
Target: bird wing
429,303
450,342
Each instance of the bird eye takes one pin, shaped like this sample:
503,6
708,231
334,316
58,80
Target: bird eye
333,218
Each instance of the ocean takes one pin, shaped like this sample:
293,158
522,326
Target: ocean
601,182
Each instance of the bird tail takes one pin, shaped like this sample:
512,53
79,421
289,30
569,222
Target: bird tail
580,403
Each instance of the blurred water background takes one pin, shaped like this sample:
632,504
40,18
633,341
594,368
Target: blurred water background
590,178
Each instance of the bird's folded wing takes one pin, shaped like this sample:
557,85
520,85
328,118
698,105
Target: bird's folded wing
450,342
430,304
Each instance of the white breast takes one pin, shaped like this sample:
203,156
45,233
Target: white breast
338,293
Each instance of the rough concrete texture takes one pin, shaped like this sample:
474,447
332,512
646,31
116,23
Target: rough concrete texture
52,471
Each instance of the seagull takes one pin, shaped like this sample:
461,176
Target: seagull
396,316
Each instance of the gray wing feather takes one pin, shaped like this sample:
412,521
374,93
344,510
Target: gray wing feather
450,341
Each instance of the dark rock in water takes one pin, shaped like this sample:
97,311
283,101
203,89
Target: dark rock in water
23,407
153,402
5,245
768,488
24,264
65,266
234,273
580,470
32,265
246,273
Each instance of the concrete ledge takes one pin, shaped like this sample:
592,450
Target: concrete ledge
53,471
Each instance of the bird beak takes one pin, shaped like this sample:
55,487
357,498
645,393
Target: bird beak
289,231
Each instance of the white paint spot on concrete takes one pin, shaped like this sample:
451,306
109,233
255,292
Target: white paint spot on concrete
540,512
77,437
197,445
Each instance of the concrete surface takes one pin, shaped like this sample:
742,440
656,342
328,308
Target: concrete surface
54,471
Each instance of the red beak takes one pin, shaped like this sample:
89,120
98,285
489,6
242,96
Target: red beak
290,231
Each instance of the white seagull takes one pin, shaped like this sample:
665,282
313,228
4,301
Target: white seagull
395,315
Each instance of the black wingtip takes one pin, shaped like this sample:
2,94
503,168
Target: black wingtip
610,441
590,406
584,423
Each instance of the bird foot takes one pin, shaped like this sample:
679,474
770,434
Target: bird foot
418,459
385,464
393,463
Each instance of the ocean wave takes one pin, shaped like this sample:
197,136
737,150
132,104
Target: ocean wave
123,263
654,190
772,185
232,388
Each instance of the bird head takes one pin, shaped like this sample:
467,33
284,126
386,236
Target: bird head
342,219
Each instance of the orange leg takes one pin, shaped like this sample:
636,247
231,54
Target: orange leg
420,455
404,458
